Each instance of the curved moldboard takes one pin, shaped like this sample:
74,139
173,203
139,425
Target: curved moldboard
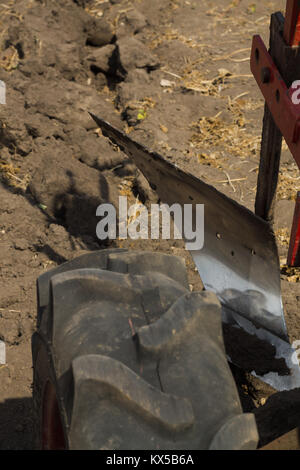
239,259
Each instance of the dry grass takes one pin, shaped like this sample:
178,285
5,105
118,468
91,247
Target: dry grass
232,56
171,34
218,138
9,59
145,104
8,174
283,236
193,79
126,189
10,9
233,18
292,274
288,182
94,8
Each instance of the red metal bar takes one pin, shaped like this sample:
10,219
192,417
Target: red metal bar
294,248
285,112
284,106
291,31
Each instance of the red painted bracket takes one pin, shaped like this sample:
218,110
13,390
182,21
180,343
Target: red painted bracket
294,249
284,105
291,31
279,98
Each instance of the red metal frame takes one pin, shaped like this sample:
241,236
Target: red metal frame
285,111
52,430
278,97
291,31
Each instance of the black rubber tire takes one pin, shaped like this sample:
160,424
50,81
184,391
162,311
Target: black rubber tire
126,357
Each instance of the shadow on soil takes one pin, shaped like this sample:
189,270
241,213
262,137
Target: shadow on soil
16,434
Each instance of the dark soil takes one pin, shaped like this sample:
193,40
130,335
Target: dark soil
175,76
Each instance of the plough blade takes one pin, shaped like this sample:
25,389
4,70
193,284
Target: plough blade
239,259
